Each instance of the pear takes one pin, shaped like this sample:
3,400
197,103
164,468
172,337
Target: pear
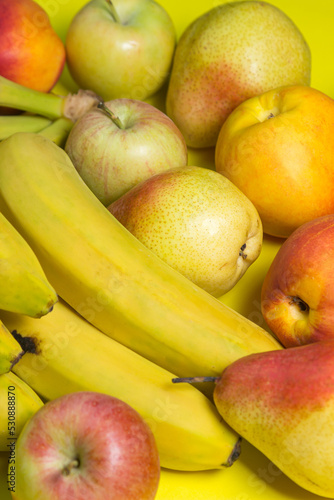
282,402
232,52
197,221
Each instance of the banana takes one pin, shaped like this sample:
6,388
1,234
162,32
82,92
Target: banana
18,402
10,350
24,286
69,354
108,276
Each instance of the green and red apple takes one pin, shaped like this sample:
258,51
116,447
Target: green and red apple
31,53
122,48
278,149
297,299
122,144
86,445
234,51
197,221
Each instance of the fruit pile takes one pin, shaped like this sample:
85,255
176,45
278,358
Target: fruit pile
118,356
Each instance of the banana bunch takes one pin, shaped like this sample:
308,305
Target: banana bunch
18,402
127,323
108,276
68,354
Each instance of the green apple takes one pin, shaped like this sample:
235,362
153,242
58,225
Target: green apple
197,221
120,145
232,52
122,48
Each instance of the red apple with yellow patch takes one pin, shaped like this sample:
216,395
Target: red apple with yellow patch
86,445
298,290
31,52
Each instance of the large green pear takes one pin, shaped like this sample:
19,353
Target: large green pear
232,52
282,402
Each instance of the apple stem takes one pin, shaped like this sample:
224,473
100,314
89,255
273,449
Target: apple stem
74,464
194,380
114,12
111,115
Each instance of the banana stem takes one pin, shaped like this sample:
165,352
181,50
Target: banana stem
9,125
72,106
58,131
14,95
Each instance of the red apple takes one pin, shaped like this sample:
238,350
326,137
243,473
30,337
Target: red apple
298,290
126,142
86,446
31,52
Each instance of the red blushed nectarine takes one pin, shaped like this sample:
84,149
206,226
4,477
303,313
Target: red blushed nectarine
298,290
31,52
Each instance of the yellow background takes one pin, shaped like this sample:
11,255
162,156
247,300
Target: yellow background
252,477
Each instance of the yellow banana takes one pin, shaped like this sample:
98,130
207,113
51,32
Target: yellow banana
69,354
24,286
10,350
18,402
108,276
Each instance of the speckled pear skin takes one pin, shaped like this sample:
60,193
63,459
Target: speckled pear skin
233,52
282,402
197,221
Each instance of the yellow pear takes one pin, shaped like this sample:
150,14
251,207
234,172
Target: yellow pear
232,52
197,221
282,402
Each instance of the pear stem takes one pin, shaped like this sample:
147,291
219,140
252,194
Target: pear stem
194,380
111,115
114,12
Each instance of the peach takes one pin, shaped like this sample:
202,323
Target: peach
32,53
